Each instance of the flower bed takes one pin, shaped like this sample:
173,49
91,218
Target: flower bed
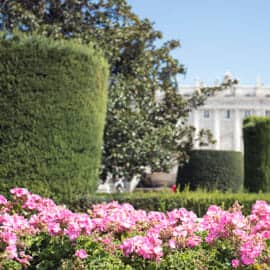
35,233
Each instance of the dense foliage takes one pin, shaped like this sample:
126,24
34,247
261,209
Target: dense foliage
139,131
53,103
197,201
35,233
212,169
257,153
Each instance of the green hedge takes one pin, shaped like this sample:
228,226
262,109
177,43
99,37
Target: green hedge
212,169
256,132
197,201
53,99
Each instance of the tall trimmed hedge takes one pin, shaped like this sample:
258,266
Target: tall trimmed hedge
53,99
212,169
256,132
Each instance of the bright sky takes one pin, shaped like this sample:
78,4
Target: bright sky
216,36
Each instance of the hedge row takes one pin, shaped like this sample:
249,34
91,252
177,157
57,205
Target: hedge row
197,201
53,103
257,153
211,169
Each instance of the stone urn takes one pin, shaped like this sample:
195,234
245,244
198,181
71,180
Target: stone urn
159,179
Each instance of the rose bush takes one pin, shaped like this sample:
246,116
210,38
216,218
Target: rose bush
35,233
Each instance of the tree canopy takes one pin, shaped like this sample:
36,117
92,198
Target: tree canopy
140,130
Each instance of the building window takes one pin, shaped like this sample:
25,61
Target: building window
206,114
247,113
267,113
227,114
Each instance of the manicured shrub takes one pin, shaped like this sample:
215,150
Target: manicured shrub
53,103
212,169
197,201
257,153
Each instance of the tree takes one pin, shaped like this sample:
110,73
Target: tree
140,130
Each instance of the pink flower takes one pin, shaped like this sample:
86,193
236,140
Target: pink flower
3,200
235,263
19,192
11,251
251,249
194,241
172,243
147,247
24,259
81,253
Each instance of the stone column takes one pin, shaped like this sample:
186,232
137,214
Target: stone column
258,87
237,130
216,128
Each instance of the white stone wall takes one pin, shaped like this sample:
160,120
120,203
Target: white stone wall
223,113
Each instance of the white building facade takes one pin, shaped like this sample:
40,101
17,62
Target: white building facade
223,113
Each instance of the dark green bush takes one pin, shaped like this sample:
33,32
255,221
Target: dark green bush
256,132
212,169
53,104
197,201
